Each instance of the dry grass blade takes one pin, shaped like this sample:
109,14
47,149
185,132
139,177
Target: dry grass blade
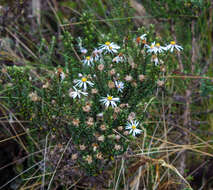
20,124
119,174
45,154
13,137
164,164
12,127
23,158
30,178
59,161
31,186
1,187
25,47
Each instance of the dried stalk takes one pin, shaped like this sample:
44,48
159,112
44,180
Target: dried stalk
175,39
36,10
187,112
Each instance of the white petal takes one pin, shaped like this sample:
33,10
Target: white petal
128,127
107,104
133,133
113,104
85,86
79,95
90,83
84,93
115,99
74,88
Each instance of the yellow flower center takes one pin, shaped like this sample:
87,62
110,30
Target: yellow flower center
157,45
133,127
107,43
119,86
88,58
172,42
152,46
109,98
84,79
110,47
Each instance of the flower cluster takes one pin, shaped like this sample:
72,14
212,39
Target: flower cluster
96,61
103,108
97,54
91,86
155,48
83,82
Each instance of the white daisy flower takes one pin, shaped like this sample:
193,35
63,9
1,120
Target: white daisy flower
155,59
88,61
97,54
119,58
109,47
109,100
173,46
119,85
132,126
60,74
155,48
143,37
83,82
77,93
83,50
